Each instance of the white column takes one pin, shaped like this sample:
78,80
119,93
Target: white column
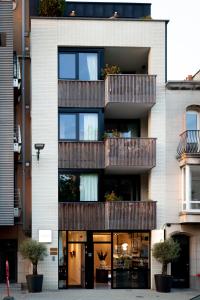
188,188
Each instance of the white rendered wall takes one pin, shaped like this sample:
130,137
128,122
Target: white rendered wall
46,36
45,130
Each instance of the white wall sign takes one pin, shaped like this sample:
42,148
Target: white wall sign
45,236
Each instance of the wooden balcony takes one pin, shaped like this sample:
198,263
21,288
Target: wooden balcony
77,93
188,151
125,92
79,155
115,215
134,154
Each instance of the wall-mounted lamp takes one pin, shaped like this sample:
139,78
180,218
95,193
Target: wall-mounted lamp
39,147
72,13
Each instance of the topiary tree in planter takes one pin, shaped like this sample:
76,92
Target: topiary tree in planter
51,8
35,252
165,252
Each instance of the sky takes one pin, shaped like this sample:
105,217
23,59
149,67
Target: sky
183,33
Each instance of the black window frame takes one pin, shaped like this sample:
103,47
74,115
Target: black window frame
76,51
77,112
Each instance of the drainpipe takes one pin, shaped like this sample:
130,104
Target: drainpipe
23,119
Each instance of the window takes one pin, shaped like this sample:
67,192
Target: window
78,187
192,127
79,65
78,126
2,39
191,187
192,120
122,188
123,128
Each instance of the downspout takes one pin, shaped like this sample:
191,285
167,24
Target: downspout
23,119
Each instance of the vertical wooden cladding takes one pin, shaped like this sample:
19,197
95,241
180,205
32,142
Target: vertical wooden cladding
107,216
6,116
81,155
122,152
140,89
77,93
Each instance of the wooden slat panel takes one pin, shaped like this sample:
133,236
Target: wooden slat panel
82,216
139,89
140,152
72,93
107,216
81,155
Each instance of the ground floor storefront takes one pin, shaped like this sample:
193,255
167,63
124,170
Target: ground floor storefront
90,259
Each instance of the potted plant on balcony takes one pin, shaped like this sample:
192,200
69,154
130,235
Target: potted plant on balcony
51,8
107,70
112,197
165,252
35,252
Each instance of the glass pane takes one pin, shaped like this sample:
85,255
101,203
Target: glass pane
67,66
122,128
131,260
88,187
77,236
101,237
88,66
121,188
62,259
68,188
195,172
191,121
88,127
102,265
68,126
76,265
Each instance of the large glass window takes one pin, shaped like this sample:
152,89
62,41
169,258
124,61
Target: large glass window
67,66
68,126
78,65
78,187
122,128
88,63
131,260
78,126
122,188
192,120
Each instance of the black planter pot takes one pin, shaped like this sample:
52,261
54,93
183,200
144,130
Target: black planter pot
34,283
163,283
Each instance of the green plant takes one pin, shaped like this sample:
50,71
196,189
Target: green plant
112,197
114,69
51,8
102,255
166,252
34,251
114,133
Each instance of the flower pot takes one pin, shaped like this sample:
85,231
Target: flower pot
102,263
34,283
163,283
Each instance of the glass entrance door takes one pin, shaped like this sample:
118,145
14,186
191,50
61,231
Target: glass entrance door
76,265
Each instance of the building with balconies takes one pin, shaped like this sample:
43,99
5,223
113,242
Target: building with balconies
99,183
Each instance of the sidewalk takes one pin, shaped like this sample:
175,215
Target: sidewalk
79,294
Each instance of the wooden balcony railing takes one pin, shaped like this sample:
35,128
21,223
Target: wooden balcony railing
189,143
81,155
140,89
77,93
118,215
133,152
